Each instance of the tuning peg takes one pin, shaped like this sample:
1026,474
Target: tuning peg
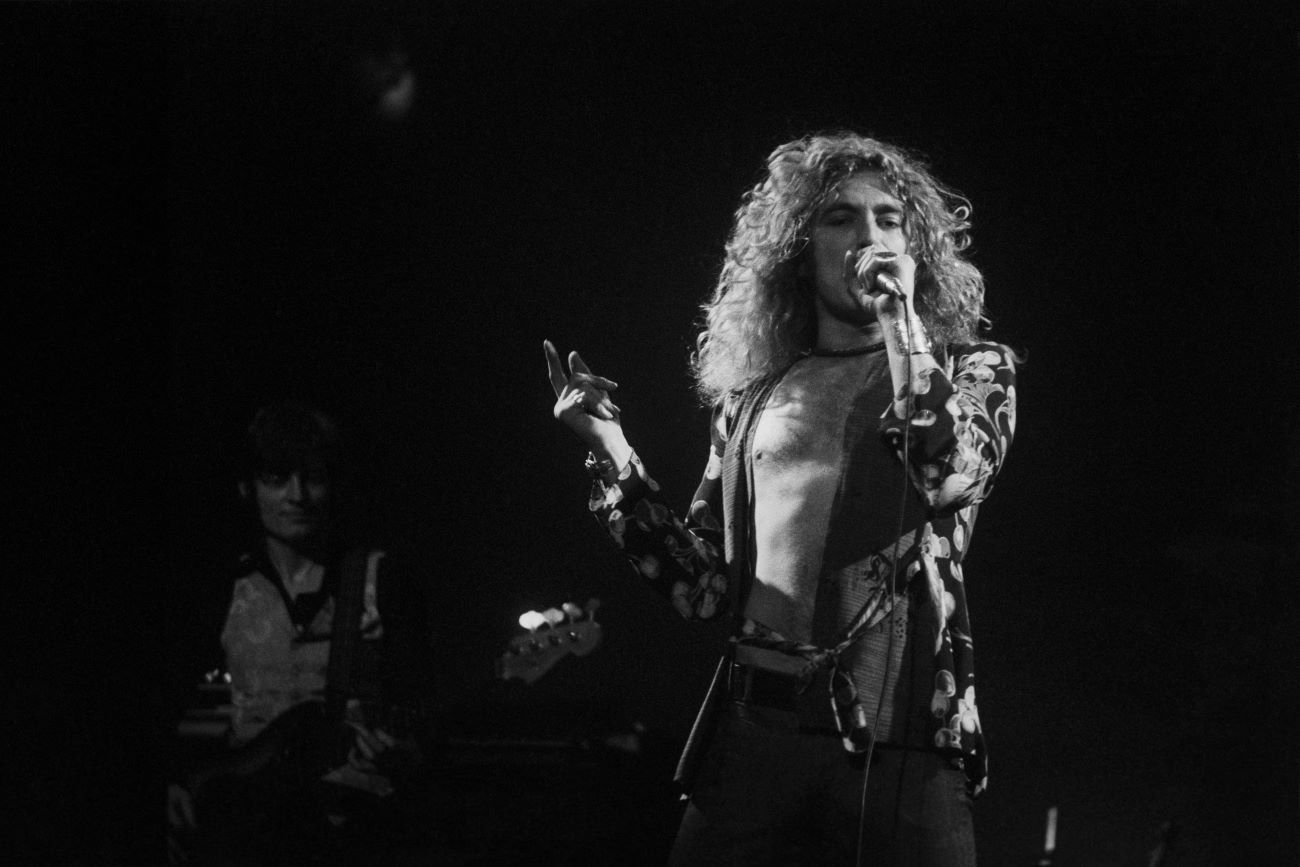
572,611
553,616
532,620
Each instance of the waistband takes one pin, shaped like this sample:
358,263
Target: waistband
805,694
808,700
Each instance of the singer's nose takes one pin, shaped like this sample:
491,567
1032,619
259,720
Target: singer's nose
873,234
868,242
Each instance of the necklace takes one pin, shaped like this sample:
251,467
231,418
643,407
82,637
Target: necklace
842,353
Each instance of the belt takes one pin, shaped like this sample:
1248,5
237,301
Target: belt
806,697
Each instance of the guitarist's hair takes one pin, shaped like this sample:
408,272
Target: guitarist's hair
289,436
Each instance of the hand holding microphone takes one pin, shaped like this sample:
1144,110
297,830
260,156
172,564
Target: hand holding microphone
873,279
889,284
883,283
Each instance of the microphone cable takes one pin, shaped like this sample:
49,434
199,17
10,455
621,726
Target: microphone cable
893,587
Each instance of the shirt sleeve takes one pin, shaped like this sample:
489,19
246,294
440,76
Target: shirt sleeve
681,560
963,418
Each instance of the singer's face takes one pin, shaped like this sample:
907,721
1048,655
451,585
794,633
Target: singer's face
859,214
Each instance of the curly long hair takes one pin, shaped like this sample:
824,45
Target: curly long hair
761,314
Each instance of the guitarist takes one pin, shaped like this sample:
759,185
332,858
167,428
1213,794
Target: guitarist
308,773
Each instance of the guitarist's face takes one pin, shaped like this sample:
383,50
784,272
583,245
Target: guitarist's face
293,506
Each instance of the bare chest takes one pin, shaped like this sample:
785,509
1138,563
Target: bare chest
801,428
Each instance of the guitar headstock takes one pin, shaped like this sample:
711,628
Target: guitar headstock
550,636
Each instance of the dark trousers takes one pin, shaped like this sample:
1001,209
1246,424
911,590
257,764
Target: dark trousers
771,793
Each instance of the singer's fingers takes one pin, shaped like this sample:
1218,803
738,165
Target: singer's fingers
582,371
553,367
601,382
885,271
577,365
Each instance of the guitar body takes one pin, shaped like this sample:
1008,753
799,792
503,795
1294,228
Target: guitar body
265,803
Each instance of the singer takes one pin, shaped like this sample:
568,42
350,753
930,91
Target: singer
857,425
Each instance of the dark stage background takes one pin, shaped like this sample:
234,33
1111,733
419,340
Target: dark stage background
214,209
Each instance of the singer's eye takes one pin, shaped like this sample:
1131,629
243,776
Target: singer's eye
839,217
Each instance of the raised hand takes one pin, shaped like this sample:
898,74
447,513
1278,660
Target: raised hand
583,403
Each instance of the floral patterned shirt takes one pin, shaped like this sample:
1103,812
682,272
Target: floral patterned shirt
962,419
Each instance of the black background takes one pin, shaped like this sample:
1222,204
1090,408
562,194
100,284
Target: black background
209,214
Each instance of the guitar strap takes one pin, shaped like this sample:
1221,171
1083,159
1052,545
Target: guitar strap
345,639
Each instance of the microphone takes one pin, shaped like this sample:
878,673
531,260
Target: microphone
882,280
889,284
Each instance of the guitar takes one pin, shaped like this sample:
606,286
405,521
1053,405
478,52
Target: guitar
291,794
292,789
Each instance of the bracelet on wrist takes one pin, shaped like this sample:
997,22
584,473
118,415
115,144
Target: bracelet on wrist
908,336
